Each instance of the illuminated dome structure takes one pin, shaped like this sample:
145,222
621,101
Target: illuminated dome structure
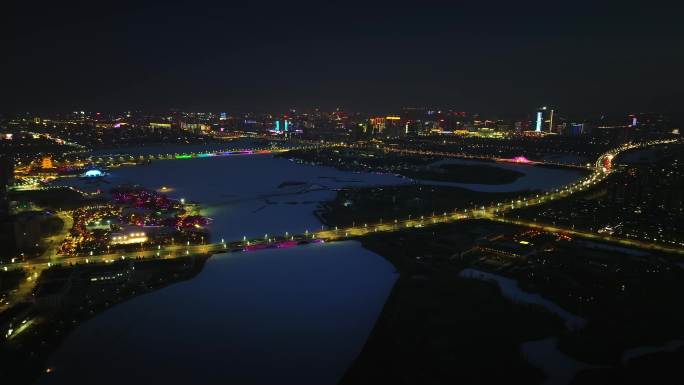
94,173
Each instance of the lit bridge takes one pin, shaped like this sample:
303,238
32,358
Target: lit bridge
135,159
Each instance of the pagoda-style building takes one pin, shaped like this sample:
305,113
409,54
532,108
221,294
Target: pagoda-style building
46,163
46,169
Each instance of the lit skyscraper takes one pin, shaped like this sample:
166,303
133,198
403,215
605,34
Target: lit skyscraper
540,119
544,115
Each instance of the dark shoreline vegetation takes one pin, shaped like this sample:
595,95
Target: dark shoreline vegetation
437,327
67,296
56,198
466,173
370,205
410,166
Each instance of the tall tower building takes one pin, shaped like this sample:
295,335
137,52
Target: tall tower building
540,120
544,120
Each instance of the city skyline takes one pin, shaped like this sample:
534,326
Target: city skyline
529,115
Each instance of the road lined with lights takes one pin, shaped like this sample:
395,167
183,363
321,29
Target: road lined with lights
591,235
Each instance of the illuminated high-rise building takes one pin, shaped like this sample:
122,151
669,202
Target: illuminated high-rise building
539,120
544,120
377,125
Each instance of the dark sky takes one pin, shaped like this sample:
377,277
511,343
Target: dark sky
492,57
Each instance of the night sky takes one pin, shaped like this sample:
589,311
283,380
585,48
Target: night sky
491,58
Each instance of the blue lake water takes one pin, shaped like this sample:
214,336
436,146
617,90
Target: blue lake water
288,316
245,194
294,316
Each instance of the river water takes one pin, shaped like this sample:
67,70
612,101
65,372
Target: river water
288,316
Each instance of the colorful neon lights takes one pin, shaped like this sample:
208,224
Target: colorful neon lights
226,153
280,245
520,159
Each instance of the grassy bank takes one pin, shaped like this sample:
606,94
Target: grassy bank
465,173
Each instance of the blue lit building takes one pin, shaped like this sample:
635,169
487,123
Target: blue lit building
93,173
